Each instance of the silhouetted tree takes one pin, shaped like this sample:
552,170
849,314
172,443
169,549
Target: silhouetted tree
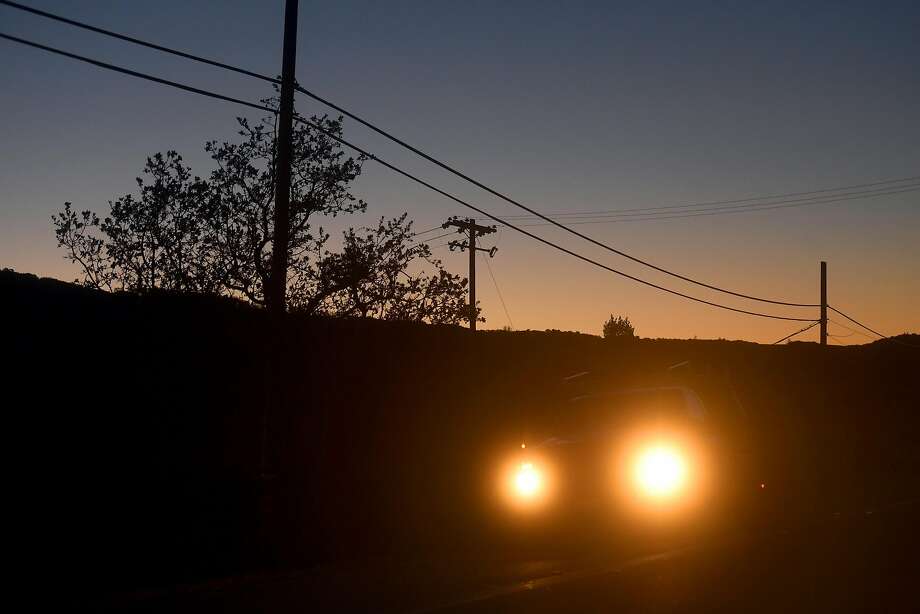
152,240
76,234
184,233
618,327
241,225
370,278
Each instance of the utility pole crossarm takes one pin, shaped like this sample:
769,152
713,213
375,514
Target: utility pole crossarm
468,225
472,230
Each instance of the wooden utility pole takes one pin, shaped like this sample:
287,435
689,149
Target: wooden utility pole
823,303
472,250
277,285
278,281
473,230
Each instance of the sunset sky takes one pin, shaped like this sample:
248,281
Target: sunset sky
564,106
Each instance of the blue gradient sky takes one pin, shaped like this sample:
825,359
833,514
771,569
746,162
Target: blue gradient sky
566,106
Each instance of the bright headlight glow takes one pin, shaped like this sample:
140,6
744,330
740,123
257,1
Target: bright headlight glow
660,471
527,481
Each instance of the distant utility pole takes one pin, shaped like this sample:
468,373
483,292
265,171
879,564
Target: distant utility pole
823,303
276,291
473,230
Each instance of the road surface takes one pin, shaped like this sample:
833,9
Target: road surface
853,561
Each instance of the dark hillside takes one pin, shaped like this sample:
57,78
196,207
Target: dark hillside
143,426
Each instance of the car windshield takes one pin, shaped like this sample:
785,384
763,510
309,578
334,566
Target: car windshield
593,416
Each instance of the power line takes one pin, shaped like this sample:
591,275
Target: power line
134,73
441,236
725,202
850,334
853,331
803,202
401,172
857,323
422,232
137,41
243,71
225,66
410,148
550,221
249,73
497,290
798,332
834,197
536,237
897,341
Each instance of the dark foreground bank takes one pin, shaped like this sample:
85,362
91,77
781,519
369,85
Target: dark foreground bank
158,442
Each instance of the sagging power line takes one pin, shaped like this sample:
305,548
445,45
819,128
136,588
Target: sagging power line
827,197
746,202
250,73
821,200
134,73
138,41
538,238
415,150
833,336
539,215
871,330
566,214
853,331
404,173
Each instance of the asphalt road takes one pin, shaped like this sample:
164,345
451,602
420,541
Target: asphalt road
861,560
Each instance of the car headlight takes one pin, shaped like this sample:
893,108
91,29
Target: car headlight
527,481
660,471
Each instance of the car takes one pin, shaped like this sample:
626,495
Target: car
632,458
